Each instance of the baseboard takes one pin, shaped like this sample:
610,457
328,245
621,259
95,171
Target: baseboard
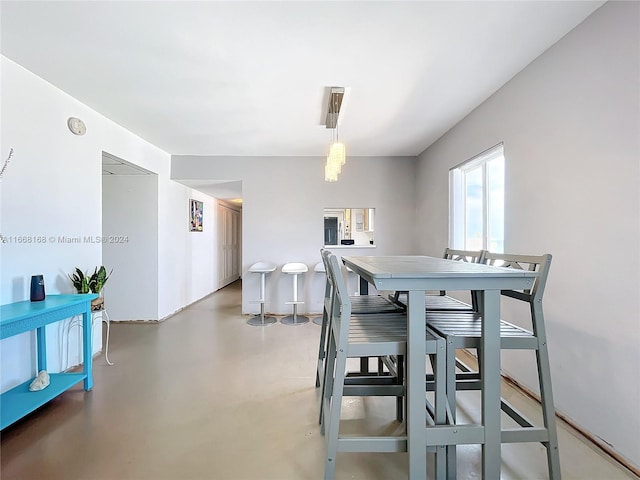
167,317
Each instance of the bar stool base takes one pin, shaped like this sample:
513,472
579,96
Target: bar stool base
317,321
259,321
295,320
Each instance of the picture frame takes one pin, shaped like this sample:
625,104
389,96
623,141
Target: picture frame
195,215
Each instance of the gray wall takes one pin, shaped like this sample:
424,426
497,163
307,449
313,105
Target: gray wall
283,202
570,126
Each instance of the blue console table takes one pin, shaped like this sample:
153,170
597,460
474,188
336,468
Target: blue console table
20,317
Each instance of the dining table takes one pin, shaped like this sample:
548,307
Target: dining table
417,274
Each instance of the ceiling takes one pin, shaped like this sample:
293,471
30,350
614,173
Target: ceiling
252,78
112,165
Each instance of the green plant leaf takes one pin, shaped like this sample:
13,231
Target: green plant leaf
85,283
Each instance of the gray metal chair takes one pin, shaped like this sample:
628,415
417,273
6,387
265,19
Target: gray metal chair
376,335
463,330
364,305
360,304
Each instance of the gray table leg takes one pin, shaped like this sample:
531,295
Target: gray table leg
490,354
364,290
416,372
364,287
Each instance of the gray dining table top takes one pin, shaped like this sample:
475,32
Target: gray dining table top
422,272
421,265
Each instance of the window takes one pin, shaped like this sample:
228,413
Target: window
476,215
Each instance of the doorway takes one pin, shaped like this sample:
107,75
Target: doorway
229,223
130,233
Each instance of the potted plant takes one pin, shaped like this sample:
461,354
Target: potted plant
93,283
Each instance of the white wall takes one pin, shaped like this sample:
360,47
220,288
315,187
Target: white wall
570,126
283,203
187,260
130,214
53,188
48,192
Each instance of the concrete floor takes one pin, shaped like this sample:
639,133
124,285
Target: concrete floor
205,396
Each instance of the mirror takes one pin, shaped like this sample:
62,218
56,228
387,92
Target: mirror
349,227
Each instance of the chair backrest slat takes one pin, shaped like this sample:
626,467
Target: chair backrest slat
341,304
324,254
328,288
469,256
337,282
532,263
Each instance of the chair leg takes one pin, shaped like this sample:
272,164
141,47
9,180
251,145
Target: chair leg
548,414
322,348
451,401
335,405
439,365
364,366
400,401
546,394
103,317
107,320
327,385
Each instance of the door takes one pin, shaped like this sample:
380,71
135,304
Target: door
229,226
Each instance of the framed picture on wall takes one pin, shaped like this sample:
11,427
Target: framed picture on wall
195,215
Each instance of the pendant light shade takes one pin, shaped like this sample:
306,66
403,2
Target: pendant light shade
335,160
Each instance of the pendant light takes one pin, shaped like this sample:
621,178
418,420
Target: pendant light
337,156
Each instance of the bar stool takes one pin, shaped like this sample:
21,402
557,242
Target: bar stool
319,268
262,268
294,269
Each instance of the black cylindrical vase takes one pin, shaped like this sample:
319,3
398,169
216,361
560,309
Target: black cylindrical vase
37,288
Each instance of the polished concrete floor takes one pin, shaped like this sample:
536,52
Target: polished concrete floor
205,396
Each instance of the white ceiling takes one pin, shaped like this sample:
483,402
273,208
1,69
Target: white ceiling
112,165
250,78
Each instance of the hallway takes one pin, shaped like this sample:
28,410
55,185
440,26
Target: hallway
203,395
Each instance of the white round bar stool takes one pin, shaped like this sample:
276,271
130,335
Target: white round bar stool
294,269
262,268
319,268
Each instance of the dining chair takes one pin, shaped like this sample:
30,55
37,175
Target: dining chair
360,304
356,335
463,330
390,368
